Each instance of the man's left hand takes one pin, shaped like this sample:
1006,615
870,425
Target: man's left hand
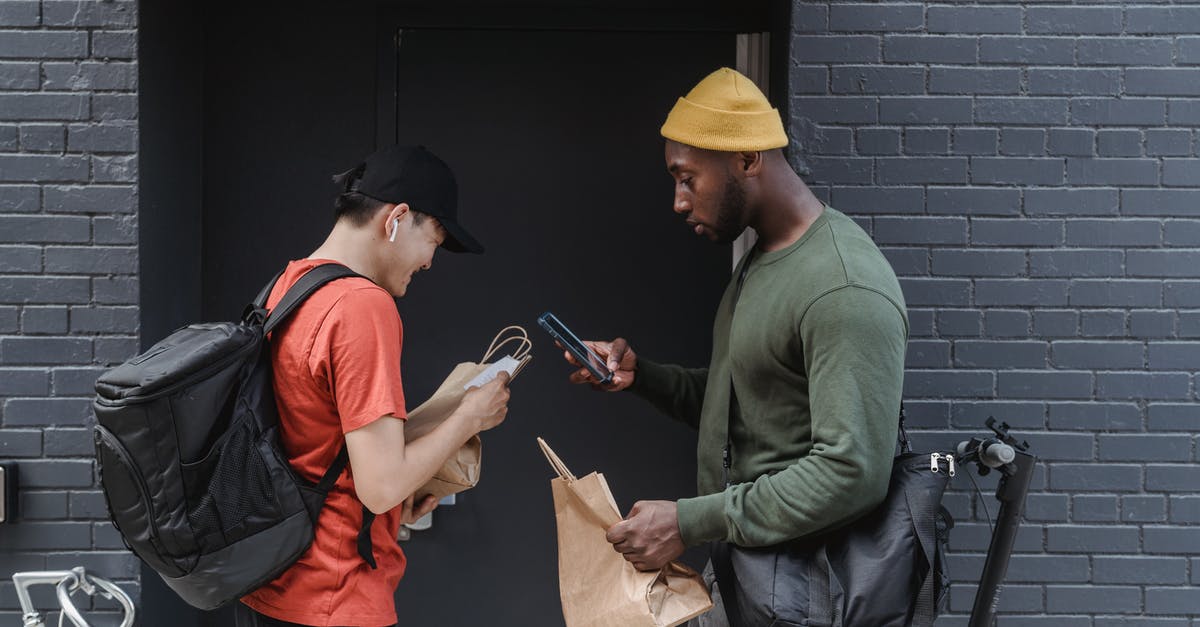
649,535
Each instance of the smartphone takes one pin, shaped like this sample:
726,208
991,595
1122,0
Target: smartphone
576,347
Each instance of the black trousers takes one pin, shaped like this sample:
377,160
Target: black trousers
246,617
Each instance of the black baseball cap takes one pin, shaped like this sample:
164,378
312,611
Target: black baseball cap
417,177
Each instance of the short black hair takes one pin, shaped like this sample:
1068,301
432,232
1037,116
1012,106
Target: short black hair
355,207
358,207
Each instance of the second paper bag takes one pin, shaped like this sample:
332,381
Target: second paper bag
597,586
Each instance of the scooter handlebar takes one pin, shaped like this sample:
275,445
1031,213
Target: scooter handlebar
991,452
995,454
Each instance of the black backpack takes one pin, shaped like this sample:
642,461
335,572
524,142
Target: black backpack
889,568
885,569
190,463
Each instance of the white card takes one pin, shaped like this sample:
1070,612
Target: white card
506,364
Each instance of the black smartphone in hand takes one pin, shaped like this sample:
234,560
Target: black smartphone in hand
576,347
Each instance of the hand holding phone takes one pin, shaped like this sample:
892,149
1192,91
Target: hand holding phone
575,346
615,358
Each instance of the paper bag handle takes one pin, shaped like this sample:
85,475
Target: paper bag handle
555,462
522,339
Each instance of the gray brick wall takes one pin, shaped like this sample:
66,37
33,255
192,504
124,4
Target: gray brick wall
1031,171
68,272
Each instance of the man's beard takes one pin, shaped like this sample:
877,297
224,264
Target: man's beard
731,213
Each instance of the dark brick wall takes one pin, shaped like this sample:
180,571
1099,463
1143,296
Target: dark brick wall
68,271
1031,171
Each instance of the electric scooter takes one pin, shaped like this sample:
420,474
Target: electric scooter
1000,452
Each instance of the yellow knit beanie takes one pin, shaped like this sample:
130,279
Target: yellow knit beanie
725,111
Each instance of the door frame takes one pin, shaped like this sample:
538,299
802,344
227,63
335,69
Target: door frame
770,17
753,60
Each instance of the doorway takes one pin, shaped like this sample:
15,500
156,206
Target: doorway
554,138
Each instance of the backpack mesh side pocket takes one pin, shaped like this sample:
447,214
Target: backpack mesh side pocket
235,494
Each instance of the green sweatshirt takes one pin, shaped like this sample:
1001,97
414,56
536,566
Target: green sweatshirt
815,353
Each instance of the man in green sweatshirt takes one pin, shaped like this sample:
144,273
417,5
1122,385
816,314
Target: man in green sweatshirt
798,409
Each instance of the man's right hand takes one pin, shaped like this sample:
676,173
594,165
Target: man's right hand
620,358
487,405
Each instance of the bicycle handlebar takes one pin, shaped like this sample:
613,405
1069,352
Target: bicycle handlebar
67,582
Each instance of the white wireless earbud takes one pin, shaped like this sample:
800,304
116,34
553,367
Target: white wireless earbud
395,225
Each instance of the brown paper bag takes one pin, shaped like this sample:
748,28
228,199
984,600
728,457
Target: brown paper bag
461,471
597,586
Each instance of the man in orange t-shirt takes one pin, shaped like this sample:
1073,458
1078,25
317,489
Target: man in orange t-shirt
337,379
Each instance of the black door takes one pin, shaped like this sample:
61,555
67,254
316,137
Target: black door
554,138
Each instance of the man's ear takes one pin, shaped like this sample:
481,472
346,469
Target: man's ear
392,216
397,211
394,212
750,163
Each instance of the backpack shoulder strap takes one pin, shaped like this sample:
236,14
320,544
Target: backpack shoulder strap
260,301
304,287
924,512
309,283
902,433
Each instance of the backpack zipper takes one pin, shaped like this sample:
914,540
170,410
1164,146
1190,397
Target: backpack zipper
199,374
134,472
936,458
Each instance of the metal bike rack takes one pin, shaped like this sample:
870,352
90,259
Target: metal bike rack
67,582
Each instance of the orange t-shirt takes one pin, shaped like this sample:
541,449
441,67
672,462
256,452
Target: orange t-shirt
337,368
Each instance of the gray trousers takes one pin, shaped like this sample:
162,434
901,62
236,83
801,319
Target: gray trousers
716,616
